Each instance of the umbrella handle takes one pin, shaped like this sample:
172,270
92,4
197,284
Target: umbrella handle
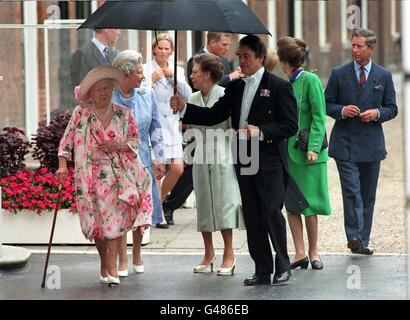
175,65
175,61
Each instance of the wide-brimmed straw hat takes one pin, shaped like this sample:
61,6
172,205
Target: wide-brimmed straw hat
107,72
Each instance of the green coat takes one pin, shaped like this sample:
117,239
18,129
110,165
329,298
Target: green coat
312,115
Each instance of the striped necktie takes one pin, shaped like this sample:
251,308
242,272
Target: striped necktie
106,56
362,77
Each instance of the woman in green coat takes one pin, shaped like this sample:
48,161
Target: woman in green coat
308,167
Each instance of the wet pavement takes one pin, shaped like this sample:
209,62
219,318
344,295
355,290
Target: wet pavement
170,277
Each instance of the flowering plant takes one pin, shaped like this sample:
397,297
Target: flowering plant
13,148
37,190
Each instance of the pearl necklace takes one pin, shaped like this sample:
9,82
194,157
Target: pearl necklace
103,117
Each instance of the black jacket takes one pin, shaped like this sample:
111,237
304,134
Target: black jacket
273,110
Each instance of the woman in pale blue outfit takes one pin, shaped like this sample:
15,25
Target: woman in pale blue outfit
142,101
216,189
162,77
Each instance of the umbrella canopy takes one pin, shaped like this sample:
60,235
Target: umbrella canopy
231,16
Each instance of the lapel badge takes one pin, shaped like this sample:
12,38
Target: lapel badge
265,93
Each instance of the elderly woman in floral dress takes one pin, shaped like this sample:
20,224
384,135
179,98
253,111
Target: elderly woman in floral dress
113,188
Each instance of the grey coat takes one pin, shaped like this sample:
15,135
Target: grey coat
86,58
218,200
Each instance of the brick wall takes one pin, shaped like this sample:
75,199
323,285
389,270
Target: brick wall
63,43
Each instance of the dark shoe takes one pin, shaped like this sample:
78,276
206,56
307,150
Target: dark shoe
317,264
303,263
282,278
257,279
168,214
353,244
162,226
363,250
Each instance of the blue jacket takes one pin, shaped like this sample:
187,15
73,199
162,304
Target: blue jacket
351,139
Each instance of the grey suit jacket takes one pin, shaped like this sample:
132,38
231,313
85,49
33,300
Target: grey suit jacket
351,139
86,58
227,70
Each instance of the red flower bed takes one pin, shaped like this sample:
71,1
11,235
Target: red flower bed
37,191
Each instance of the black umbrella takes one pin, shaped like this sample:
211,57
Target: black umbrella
231,16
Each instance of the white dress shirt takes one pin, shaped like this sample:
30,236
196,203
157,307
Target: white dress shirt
251,85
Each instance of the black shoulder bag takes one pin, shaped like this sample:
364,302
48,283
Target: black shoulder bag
302,138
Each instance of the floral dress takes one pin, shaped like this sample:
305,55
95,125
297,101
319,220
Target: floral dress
113,190
143,103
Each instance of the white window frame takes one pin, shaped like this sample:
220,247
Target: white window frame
393,20
298,19
324,45
343,28
272,23
364,10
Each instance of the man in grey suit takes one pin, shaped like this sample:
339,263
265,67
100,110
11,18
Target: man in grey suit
360,96
100,51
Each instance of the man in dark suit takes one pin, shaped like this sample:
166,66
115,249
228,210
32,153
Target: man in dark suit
218,44
100,51
360,96
262,108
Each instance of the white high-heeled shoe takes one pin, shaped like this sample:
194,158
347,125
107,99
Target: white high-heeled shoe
113,280
123,273
227,271
138,268
202,268
103,280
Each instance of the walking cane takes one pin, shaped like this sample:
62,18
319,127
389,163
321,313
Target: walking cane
60,188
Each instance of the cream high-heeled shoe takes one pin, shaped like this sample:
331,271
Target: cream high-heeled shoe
113,280
103,280
227,271
202,268
122,273
138,268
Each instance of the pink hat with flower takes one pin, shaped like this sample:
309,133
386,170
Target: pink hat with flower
81,92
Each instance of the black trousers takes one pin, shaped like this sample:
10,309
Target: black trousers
181,191
263,196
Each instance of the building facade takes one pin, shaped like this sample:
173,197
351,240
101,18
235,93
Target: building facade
27,76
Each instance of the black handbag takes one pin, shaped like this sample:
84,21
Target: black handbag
302,139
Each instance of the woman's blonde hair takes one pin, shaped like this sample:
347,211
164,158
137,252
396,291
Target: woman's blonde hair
162,36
271,60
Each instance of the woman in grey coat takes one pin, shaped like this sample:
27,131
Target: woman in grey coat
215,185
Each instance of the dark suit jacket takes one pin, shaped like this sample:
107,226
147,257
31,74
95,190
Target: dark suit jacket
86,58
275,115
227,70
351,139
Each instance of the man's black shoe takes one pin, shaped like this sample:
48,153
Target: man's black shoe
363,250
257,279
168,214
281,278
353,244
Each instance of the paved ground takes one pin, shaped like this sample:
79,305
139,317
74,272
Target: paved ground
170,277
